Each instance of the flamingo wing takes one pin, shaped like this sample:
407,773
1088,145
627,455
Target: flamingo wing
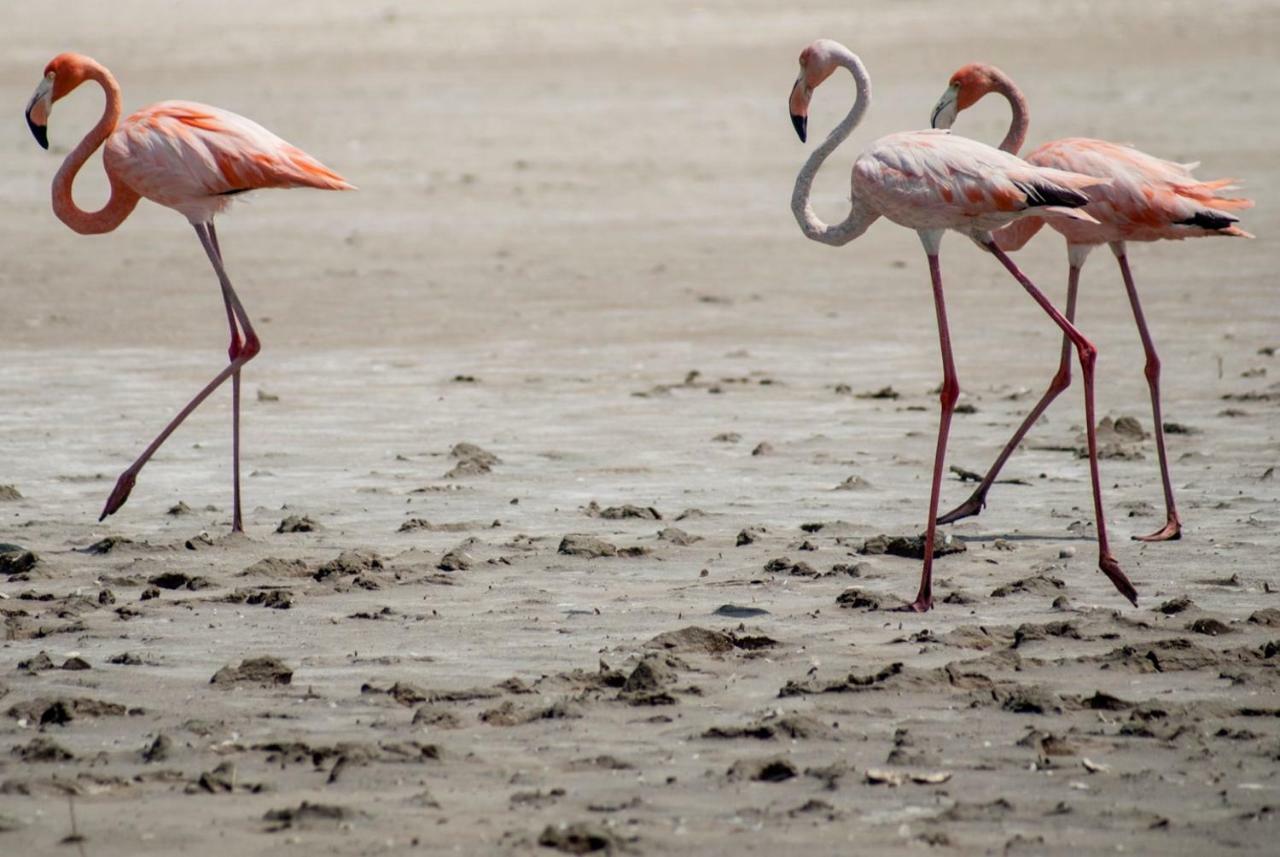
1148,197
955,182
193,157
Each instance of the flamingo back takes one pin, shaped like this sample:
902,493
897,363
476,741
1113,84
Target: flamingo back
195,158
1147,199
935,180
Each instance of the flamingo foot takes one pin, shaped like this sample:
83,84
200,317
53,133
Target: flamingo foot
973,506
1171,532
922,604
1108,565
124,485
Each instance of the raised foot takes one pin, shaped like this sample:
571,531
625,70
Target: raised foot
1171,532
1111,569
969,508
124,485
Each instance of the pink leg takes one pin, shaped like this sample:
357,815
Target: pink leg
246,352
1088,355
233,351
1173,524
950,393
1060,382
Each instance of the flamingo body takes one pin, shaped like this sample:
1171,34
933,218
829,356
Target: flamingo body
189,157
1146,199
933,180
194,158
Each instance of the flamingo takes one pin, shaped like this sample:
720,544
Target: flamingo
194,159
931,181
1147,199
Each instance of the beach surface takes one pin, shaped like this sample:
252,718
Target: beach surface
566,455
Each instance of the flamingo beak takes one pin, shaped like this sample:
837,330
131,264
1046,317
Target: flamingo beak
38,110
944,112
798,105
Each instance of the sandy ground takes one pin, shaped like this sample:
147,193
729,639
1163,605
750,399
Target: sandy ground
572,248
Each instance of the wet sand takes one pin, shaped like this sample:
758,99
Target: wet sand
648,620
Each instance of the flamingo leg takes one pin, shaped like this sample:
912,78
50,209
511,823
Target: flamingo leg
233,351
245,352
1088,355
950,393
1061,380
1173,524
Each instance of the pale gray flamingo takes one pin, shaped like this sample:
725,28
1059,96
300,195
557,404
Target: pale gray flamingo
192,158
1147,199
931,181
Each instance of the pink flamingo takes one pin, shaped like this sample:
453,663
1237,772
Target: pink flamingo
1147,199
931,181
191,158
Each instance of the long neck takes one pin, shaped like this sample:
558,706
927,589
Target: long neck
859,217
123,198
1017,135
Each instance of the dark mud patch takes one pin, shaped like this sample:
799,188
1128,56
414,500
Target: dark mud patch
266,671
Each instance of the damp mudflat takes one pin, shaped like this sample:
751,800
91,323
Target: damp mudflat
571,477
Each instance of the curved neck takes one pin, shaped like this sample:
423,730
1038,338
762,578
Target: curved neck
123,198
858,220
1020,121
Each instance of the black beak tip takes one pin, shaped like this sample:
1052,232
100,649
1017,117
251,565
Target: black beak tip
40,132
801,124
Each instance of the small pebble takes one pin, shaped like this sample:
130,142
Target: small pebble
1066,553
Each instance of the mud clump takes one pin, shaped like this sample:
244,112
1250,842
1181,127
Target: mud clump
309,816
41,749
17,562
472,461
178,580
786,726
776,769
586,546
693,639
1036,584
58,712
267,671
297,524
349,564
625,511
677,536
581,838
912,547
862,599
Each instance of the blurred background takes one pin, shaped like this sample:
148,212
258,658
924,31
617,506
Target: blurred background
525,167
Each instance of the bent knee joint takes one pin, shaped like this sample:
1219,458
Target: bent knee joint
1062,380
1152,369
252,345
949,395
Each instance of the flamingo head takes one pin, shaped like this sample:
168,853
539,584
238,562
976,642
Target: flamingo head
966,87
817,63
63,73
